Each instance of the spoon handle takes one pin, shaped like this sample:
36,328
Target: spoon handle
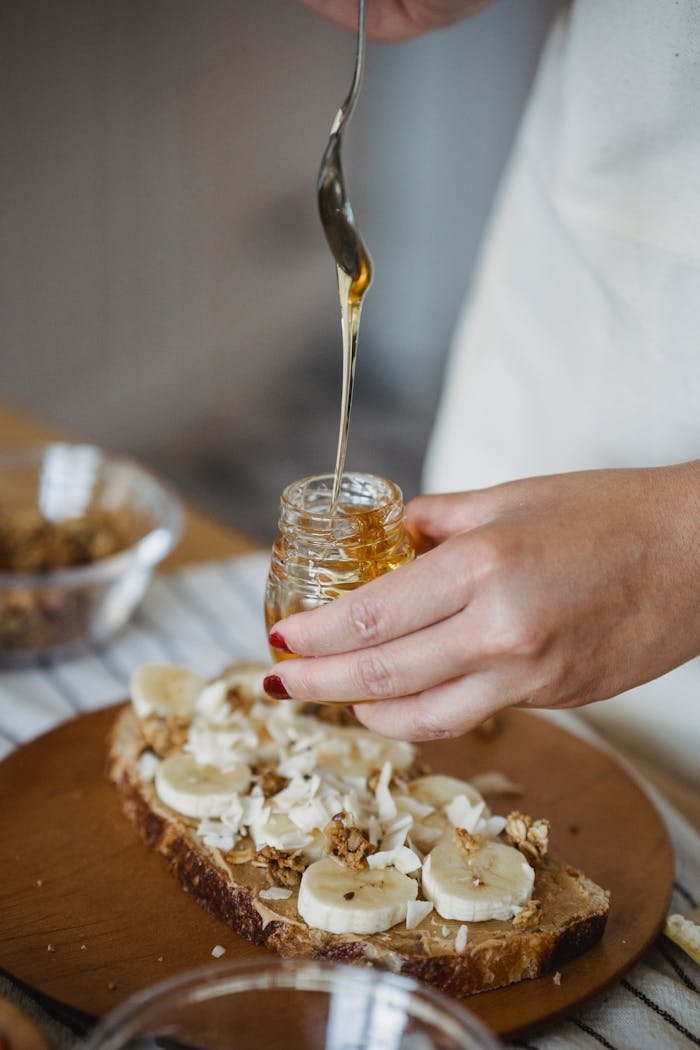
345,111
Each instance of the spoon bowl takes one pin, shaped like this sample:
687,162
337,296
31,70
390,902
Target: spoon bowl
337,217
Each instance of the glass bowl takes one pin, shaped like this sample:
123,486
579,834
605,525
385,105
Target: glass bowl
287,1004
54,500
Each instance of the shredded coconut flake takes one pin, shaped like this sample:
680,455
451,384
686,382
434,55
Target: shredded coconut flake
300,764
311,816
297,790
220,842
211,702
374,830
275,893
279,832
402,858
396,833
461,939
254,809
492,827
495,783
147,766
416,911
232,818
215,834
211,747
218,950
385,803
418,810
412,846
463,814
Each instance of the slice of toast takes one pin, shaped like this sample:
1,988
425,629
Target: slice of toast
228,884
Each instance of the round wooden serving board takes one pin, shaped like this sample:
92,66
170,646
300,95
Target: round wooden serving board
75,876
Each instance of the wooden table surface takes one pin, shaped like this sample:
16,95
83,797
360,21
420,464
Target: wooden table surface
205,538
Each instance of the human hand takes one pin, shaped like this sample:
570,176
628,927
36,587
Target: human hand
398,19
547,592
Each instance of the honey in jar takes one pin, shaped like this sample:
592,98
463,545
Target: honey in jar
322,551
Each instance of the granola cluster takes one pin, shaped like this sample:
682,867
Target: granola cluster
530,836
348,843
528,916
270,780
30,543
284,867
467,842
34,619
165,736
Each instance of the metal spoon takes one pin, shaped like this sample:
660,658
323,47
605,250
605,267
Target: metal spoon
334,207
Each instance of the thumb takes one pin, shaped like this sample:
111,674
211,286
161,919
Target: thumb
433,519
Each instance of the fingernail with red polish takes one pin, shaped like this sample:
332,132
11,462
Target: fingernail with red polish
277,642
274,687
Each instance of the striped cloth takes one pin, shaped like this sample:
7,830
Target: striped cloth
207,615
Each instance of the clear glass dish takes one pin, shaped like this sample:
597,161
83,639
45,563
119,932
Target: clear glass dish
287,1004
50,613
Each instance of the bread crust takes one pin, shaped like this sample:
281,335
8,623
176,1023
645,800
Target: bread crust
573,917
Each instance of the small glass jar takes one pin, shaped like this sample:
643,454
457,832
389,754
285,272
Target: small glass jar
318,556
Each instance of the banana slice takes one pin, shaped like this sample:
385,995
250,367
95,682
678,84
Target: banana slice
199,791
245,678
165,689
438,791
340,900
492,882
358,752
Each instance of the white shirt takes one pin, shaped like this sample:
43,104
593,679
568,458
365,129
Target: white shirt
580,346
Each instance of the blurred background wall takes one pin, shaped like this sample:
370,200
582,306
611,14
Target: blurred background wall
165,288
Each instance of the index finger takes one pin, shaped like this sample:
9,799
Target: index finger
415,595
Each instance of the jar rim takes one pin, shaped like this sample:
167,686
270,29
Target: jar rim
364,494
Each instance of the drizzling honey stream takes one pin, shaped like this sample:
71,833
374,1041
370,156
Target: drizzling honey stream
350,292
353,262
